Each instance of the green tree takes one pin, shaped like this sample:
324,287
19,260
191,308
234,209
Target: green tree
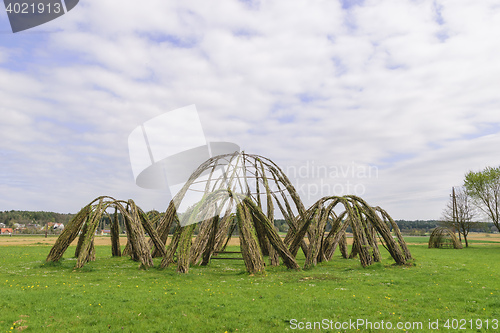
484,189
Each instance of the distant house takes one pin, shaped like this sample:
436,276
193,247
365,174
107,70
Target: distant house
58,226
2,225
5,231
105,232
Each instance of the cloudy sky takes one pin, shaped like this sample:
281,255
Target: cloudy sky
390,99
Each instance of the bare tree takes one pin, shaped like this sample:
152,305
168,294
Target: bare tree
460,213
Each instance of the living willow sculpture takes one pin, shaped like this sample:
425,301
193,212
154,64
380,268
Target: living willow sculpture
246,191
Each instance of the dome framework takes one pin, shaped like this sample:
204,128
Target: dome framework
244,192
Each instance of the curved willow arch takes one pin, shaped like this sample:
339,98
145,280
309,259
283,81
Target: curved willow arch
443,237
366,224
85,224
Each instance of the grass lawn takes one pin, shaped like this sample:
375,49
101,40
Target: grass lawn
113,295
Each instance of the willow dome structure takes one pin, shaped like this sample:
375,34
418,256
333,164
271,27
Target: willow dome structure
247,191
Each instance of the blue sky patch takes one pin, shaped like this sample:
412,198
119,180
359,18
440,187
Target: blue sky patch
173,40
395,158
483,130
438,17
348,4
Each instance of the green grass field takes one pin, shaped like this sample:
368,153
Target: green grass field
113,295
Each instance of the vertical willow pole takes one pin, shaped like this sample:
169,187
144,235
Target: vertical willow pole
248,241
184,248
115,235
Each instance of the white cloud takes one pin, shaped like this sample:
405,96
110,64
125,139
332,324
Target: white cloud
407,86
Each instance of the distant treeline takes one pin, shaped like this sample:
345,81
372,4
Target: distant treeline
418,227
10,218
23,217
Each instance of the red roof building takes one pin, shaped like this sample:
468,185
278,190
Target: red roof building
5,231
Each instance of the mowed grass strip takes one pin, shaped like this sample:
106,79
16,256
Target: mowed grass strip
112,294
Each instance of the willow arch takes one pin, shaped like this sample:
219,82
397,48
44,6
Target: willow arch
85,223
368,224
444,238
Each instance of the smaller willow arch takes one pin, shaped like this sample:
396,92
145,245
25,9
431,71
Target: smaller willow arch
85,223
368,224
444,238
